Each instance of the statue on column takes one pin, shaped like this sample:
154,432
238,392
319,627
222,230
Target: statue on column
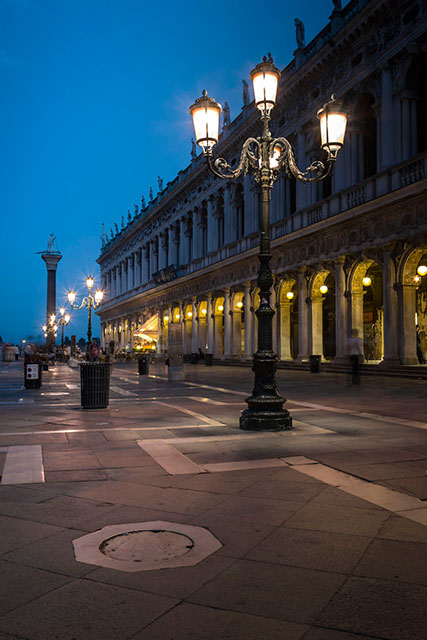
226,115
246,99
300,33
135,210
129,216
151,193
160,183
111,233
116,227
123,222
143,205
51,243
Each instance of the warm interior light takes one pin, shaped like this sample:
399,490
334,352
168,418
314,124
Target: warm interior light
289,295
205,112
71,296
89,282
52,318
240,305
417,279
265,79
367,281
67,318
220,307
166,318
422,270
189,314
333,121
154,346
99,294
177,316
323,288
61,310
204,311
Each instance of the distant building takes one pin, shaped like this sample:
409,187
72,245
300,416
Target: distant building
191,254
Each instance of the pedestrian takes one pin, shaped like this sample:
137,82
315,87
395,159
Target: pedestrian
93,351
420,354
16,352
355,351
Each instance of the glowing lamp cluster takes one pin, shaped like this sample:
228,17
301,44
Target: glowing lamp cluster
422,270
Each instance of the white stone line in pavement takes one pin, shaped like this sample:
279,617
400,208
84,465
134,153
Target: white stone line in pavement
169,458
160,428
240,465
55,393
23,465
222,389
122,392
199,416
3,449
399,503
72,386
209,401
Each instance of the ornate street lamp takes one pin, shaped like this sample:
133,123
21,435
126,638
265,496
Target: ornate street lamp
90,302
62,322
266,157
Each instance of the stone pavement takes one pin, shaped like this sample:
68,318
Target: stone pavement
323,529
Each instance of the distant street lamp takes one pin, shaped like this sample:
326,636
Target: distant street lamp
62,322
90,302
265,157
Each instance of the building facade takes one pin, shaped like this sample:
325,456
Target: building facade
345,251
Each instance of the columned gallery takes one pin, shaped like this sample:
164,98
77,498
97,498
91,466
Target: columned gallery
347,253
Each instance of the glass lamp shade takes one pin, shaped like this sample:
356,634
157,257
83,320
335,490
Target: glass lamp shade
333,122
61,310
265,79
205,113
89,282
44,327
99,294
323,288
67,318
290,295
71,295
422,270
52,319
367,281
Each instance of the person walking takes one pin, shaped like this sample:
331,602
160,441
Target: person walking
16,352
355,351
93,351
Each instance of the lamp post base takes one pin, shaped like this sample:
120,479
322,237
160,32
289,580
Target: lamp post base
252,420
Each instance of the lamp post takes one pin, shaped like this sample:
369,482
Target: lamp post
90,302
62,321
265,157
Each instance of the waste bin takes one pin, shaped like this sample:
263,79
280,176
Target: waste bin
315,364
32,375
143,365
209,359
95,384
194,358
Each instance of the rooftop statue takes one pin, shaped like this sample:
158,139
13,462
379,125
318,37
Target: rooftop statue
337,5
246,99
129,216
143,205
151,193
193,150
160,183
135,210
226,114
300,33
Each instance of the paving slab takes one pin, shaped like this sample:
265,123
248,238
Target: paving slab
379,608
270,590
16,533
338,519
398,528
395,560
195,622
86,610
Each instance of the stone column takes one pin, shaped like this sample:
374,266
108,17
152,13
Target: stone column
161,332
162,249
301,192
182,248
227,324
194,326
356,312
229,223
146,264
249,322
175,244
219,335
210,324
387,120
303,334
196,235
212,227
236,343
316,317
202,323
131,274
285,330
341,312
407,334
390,310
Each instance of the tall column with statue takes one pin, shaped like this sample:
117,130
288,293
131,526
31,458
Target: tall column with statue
51,258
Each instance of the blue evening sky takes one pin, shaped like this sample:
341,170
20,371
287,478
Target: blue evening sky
94,106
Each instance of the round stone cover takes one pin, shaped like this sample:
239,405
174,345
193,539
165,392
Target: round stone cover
146,546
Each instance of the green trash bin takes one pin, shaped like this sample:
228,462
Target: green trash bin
95,384
315,364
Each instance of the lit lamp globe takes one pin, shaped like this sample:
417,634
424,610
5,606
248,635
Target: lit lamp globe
367,281
265,79
205,113
61,310
67,318
89,282
422,270
71,295
289,295
323,288
333,122
99,294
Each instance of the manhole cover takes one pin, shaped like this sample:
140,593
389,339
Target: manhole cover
147,546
